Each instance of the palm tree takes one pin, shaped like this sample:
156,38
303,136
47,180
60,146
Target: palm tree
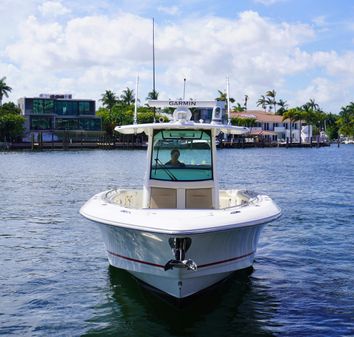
109,99
320,117
4,89
332,125
127,96
271,102
345,121
262,102
309,116
246,100
271,94
244,121
283,107
298,117
292,115
238,108
311,104
153,95
223,97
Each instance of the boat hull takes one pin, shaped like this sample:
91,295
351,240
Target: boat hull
145,255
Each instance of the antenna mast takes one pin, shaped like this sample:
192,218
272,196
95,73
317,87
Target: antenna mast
184,88
153,63
136,100
153,55
228,100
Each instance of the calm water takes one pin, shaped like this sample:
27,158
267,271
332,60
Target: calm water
55,279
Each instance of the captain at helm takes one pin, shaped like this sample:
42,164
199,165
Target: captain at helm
174,158
186,154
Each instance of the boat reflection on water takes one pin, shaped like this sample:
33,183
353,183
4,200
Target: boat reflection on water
238,305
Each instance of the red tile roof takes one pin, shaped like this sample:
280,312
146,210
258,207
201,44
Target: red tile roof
260,116
262,133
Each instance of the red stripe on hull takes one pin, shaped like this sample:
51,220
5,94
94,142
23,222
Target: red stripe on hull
135,260
224,261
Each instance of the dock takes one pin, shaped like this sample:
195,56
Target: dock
243,145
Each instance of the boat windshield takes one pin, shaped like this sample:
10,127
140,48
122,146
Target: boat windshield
183,155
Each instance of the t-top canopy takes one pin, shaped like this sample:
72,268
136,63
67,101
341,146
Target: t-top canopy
148,128
185,103
182,117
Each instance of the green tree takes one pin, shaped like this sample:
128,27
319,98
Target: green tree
127,96
320,118
270,102
262,102
238,108
293,115
244,121
283,107
331,126
123,115
314,115
4,89
309,116
145,115
223,97
311,104
298,117
10,108
245,102
108,122
119,115
11,123
345,121
271,99
109,99
153,95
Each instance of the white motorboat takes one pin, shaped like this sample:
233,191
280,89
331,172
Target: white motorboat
348,141
180,233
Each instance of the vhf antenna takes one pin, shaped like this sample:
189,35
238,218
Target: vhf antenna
184,89
153,64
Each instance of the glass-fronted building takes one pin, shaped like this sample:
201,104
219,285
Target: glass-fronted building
52,113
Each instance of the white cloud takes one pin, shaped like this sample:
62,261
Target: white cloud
10,22
320,20
249,49
82,42
268,2
53,8
323,91
173,10
87,55
335,64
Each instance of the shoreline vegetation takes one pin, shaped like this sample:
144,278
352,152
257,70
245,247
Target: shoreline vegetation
119,110
133,143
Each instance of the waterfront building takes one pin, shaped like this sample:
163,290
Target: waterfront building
53,115
271,128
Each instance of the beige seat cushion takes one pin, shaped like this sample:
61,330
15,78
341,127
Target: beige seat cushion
163,198
199,198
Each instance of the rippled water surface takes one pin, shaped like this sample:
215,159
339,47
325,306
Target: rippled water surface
54,274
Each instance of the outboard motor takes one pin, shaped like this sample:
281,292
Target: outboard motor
179,247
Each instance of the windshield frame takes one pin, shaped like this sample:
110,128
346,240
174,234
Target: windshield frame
172,172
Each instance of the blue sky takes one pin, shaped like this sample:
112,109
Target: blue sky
302,49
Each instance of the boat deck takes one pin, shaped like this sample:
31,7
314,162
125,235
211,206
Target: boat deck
165,198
